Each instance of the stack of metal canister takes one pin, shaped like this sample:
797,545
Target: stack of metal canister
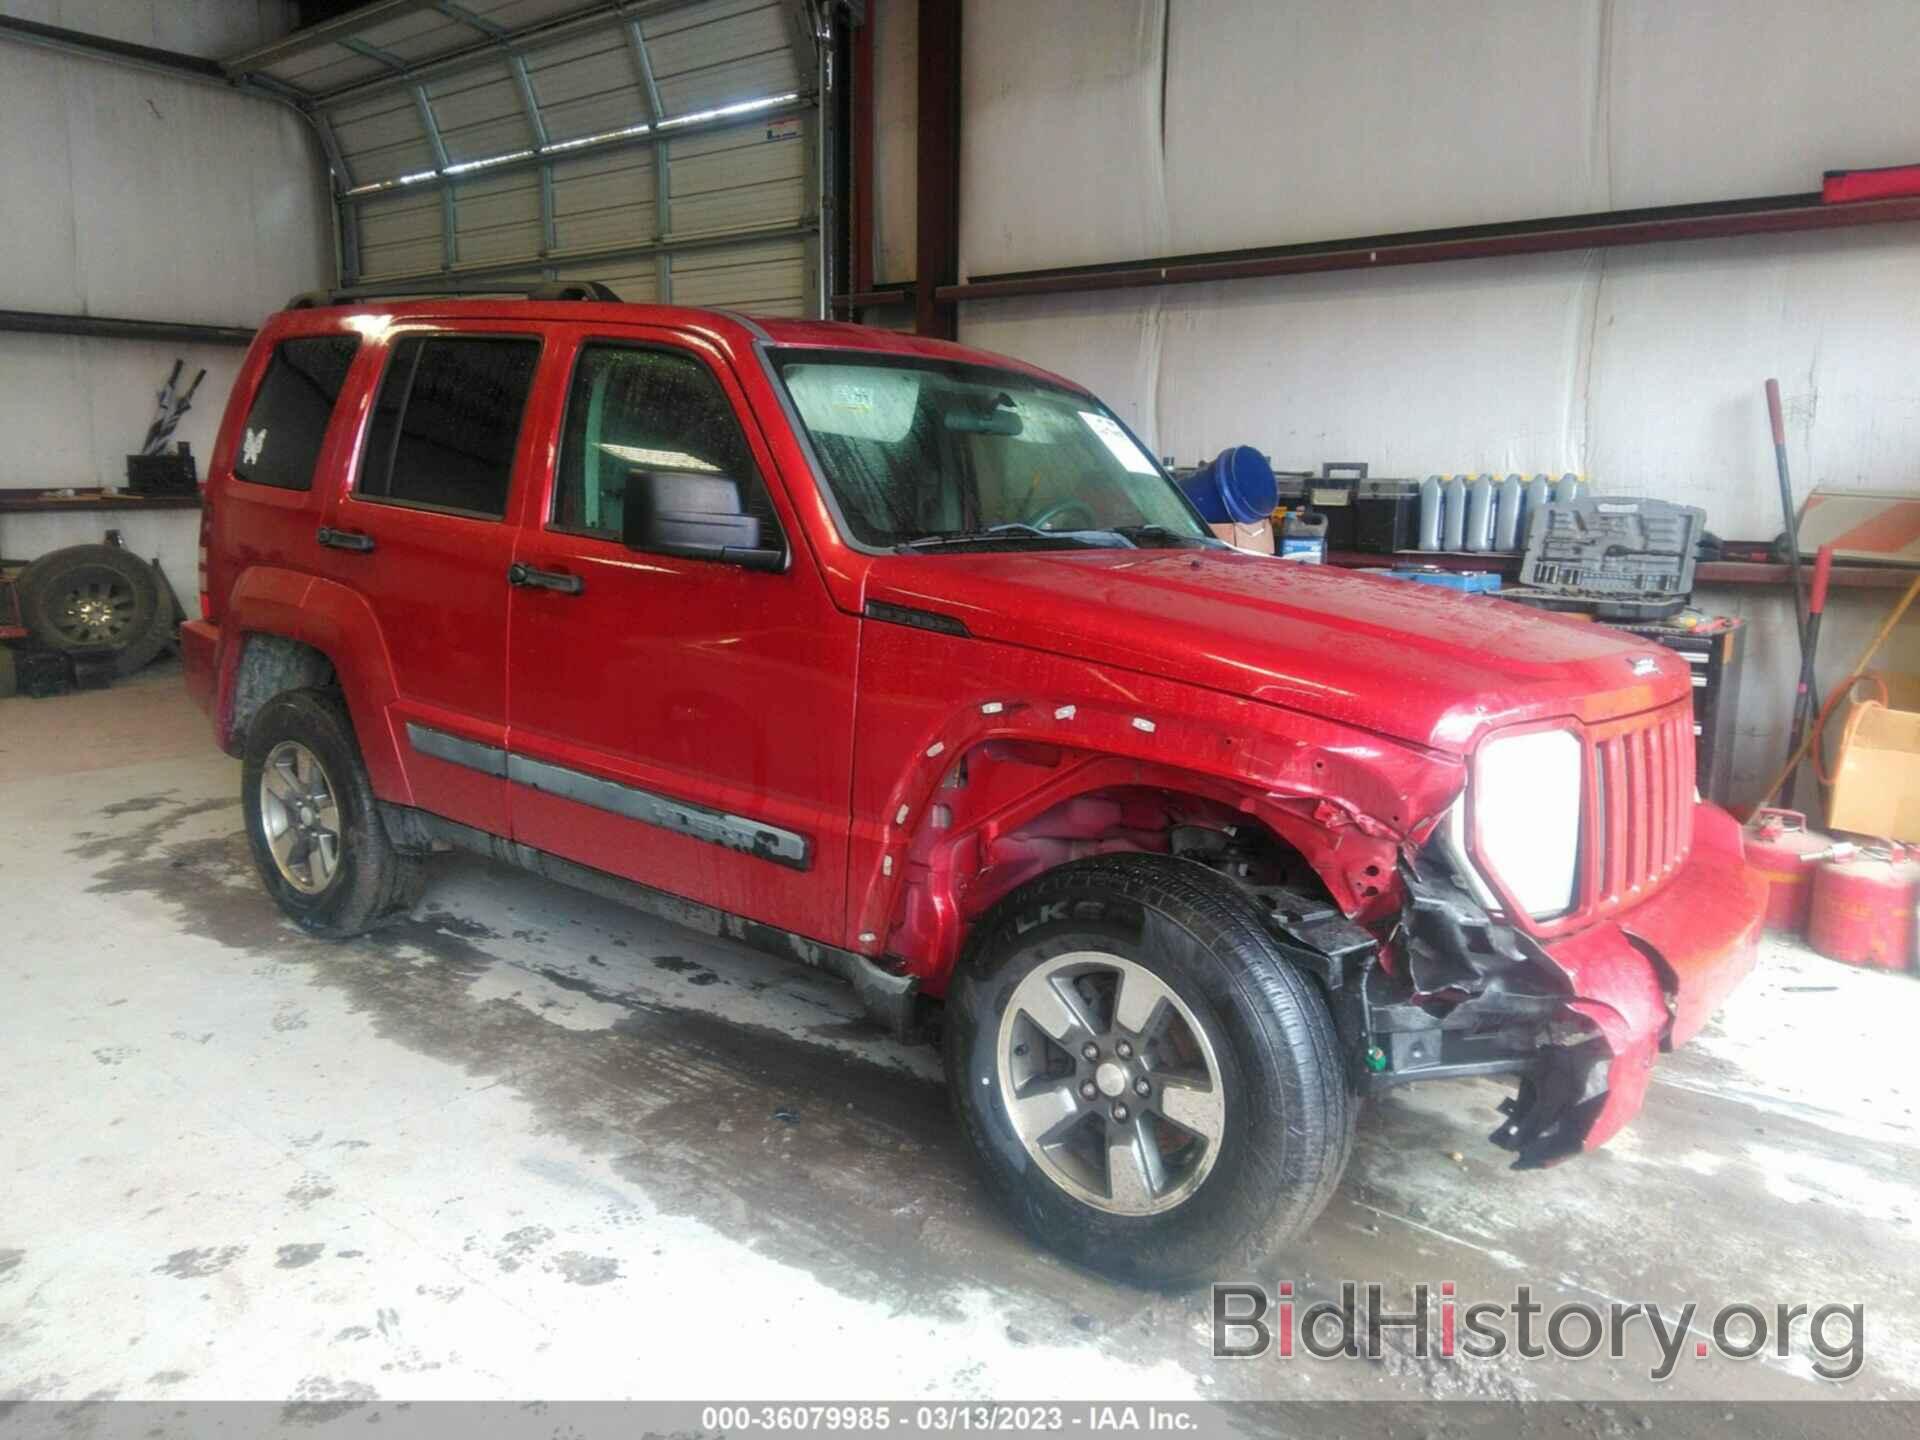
1480,513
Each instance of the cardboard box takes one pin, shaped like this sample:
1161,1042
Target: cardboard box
1257,538
1876,782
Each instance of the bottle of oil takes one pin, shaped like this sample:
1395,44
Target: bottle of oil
1303,536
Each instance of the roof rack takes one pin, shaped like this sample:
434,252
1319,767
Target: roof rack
542,290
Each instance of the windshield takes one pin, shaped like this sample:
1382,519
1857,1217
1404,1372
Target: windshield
922,453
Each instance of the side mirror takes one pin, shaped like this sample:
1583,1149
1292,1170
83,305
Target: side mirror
699,517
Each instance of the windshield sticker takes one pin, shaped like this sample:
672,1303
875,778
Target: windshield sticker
1120,443
861,402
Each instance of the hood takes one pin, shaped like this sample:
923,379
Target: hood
1420,663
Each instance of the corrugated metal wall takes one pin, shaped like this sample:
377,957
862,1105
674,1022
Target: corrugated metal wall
509,139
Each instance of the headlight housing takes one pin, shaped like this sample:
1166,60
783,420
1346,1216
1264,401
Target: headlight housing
1519,825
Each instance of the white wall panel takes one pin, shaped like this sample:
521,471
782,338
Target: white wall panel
895,136
152,197
1288,121
207,28
1060,158
1730,98
1689,332
133,194
1477,372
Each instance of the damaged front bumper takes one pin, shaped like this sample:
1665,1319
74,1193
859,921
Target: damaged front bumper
1578,1019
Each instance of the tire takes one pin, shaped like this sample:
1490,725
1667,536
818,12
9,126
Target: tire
90,597
338,889
1277,1097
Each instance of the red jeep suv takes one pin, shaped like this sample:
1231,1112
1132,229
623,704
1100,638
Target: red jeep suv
912,663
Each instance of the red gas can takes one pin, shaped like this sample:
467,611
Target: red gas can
1775,842
1863,909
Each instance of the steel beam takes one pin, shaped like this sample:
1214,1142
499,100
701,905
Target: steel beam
374,53
486,51
470,20
536,123
346,218
170,63
449,247
662,181
104,327
1768,215
641,135
827,198
99,47
803,33
937,187
709,240
861,228
327,32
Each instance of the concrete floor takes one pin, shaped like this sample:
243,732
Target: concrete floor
528,1143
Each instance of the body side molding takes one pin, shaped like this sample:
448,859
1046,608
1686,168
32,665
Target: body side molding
716,827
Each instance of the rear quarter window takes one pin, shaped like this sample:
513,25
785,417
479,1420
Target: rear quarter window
280,443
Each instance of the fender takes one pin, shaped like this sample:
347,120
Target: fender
340,624
265,600
949,841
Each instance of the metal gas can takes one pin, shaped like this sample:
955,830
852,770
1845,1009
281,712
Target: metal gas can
1862,910
1775,842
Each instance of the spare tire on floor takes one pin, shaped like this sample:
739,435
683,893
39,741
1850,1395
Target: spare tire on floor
94,597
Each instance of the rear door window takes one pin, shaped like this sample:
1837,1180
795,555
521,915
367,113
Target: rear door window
280,443
447,421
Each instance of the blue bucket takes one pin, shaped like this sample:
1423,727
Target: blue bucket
1237,488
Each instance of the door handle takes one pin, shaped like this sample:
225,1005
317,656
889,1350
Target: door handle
528,577
346,540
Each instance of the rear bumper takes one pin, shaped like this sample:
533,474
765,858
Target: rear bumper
1646,980
200,658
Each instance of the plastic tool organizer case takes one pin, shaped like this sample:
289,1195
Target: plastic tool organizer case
1615,558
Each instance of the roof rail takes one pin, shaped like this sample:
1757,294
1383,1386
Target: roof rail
537,290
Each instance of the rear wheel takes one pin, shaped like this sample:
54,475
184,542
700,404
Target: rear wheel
317,838
1149,1086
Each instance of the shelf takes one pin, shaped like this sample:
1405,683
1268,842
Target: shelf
88,502
1844,577
1708,572
1502,562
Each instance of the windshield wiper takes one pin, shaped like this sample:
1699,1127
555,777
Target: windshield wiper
1019,531
1161,537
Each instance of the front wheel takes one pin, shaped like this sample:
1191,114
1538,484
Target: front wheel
1149,1086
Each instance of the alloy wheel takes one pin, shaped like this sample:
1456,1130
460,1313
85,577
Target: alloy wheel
300,816
97,609
1111,1083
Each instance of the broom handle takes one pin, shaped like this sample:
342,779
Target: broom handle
1786,506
